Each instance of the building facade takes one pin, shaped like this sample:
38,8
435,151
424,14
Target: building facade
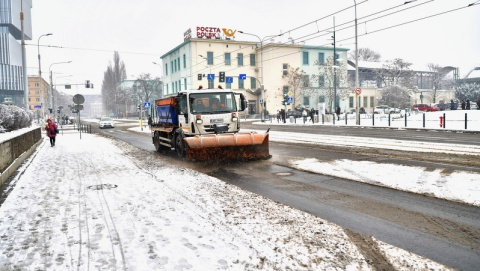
12,80
246,66
38,96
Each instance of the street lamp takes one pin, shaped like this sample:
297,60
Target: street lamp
40,72
51,83
261,74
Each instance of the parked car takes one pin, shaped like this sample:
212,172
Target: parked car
385,109
106,122
473,105
434,107
423,107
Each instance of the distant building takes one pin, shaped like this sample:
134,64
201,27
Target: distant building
12,82
38,96
371,85
207,51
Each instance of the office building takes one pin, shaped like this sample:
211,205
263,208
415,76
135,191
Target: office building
12,80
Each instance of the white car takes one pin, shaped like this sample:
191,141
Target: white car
106,122
383,109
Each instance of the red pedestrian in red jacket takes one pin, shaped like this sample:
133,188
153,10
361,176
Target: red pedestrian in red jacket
51,129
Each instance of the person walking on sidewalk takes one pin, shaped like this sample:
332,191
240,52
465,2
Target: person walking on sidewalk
51,129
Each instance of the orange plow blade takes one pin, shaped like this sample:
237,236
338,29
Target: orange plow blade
239,146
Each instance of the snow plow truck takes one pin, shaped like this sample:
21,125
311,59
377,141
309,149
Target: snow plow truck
204,124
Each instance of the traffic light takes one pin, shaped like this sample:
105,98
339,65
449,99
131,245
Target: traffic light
87,83
50,110
199,76
138,107
285,99
221,77
58,111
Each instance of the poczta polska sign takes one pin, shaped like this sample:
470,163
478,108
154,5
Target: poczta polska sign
209,33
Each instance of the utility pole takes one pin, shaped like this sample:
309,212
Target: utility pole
24,59
334,71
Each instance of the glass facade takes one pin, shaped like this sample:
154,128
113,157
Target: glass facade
12,81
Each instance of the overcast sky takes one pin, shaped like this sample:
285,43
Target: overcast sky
89,31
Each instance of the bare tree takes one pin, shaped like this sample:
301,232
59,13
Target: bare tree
296,80
147,88
396,72
111,77
366,54
439,81
326,79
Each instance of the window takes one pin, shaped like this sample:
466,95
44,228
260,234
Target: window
227,59
350,102
306,101
306,80
174,65
209,58
321,81
184,61
321,58
184,82
240,59
171,66
37,99
178,64
241,84
371,102
285,68
210,84
365,101
305,58
166,68
252,59
321,99
253,83
167,89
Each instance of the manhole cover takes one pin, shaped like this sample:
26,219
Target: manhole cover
102,186
284,174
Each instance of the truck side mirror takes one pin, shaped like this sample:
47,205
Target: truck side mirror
243,103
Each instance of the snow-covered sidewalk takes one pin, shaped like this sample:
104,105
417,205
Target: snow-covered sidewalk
98,204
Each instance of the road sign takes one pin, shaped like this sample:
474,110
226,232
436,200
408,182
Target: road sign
358,91
289,100
290,93
78,99
211,76
146,105
78,107
229,80
261,101
37,106
242,76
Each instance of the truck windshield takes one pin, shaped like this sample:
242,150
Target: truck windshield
212,103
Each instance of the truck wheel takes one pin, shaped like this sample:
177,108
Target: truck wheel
156,142
180,145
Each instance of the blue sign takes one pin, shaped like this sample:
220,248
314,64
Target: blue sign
146,105
290,100
229,80
242,76
211,76
37,106
261,101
